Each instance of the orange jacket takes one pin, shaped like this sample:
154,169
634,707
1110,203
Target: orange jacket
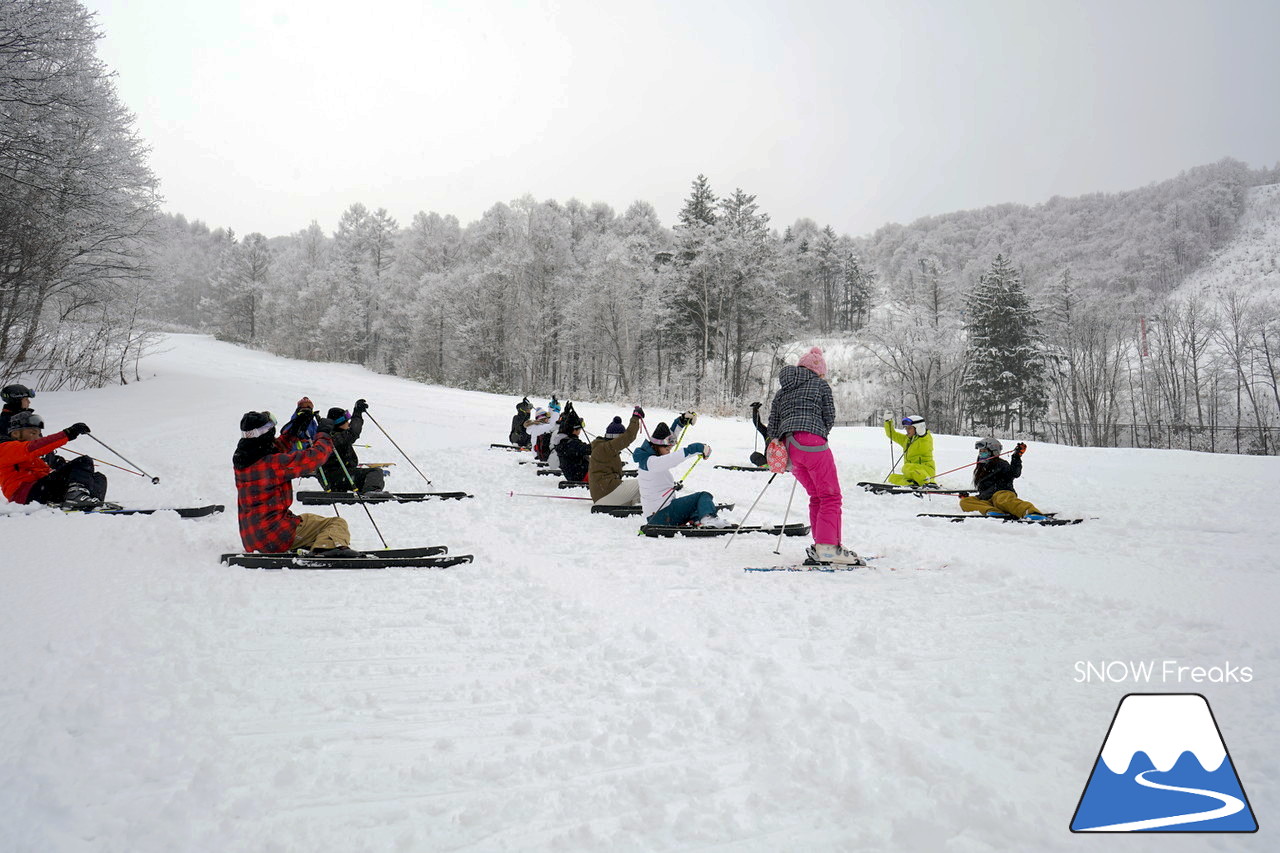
21,465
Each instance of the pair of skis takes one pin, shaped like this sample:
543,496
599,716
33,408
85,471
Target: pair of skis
182,511
327,498
635,509
918,491
430,557
1049,521
669,530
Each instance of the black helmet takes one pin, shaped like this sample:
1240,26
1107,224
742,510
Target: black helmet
14,393
988,443
26,419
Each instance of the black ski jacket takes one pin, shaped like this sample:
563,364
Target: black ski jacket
333,477
996,475
575,458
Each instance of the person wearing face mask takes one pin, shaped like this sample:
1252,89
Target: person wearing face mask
993,481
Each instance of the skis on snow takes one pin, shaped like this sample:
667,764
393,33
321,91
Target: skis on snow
918,491
430,557
182,511
636,509
556,472
742,468
326,498
1050,521
795,529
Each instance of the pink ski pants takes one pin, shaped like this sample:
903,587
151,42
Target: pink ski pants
816,471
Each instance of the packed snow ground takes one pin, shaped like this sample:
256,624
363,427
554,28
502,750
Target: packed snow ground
579,687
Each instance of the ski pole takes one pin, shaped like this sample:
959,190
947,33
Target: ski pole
777,549
351,480
681,438
154,480
113,465
402,453
553,497
743,523
894,465
670,493
970,465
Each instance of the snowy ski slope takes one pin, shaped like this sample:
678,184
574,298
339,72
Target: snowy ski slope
579,687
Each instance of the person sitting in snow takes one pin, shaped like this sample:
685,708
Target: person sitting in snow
264,491
993,479
566,422
342,471
604,472
25,477
573,453
300,430
518,436
658,488
17,398
917,451
539,428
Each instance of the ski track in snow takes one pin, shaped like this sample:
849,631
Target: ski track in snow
581,687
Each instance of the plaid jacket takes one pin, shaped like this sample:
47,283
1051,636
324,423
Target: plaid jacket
264,491
804,404
21,465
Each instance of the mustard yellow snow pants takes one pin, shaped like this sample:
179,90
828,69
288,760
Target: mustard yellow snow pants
1003,501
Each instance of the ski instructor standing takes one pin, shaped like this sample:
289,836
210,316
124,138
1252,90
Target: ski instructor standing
801,417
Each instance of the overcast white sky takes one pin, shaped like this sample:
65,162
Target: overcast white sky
264,115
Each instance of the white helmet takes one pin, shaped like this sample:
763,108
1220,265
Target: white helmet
917,422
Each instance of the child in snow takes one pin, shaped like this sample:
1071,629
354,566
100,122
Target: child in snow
264,491
917,451
342,471
518,436
658,488
300,430
608,488
801,417
16,399
572,455
993,479
27,478
539,428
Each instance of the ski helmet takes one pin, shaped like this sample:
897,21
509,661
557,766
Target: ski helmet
988,443
26,420
14,393
917,422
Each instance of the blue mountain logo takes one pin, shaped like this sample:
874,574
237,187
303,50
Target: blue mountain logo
1164,767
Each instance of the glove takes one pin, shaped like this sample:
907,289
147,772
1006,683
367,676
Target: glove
637,412
706,451
324,425
301,418
888,416
678,486
362,406
690,418
1020,449
76,430
697,448
756,406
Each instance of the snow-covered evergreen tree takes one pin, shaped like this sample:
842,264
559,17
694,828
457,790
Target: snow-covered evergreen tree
1007,366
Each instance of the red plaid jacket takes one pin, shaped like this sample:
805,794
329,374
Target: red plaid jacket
21,465
264,492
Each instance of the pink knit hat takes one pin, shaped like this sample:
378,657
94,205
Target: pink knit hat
814,361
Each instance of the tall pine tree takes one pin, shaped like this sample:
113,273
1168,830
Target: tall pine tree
1007,365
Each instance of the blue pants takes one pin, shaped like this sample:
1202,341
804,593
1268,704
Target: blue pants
684,509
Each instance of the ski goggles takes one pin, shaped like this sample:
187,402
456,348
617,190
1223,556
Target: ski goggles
342,419
262,430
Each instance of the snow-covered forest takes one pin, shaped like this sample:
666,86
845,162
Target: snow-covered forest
1090,319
